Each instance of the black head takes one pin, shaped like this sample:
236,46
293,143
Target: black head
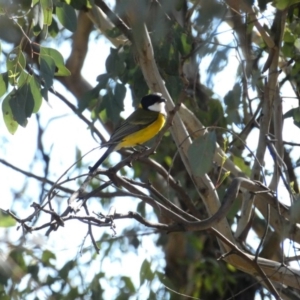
151,99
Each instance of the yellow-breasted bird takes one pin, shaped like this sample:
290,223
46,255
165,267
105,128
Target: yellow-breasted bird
142,125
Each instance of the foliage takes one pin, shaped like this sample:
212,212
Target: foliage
215,181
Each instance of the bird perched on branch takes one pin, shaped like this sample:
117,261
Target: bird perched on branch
142,125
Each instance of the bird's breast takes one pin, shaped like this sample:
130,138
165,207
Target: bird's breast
145,134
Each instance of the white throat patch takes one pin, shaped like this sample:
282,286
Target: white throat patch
158,107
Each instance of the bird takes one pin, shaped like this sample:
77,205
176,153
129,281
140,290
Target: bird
142,125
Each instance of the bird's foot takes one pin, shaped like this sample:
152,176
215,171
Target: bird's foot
140,148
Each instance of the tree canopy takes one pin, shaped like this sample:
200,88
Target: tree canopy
216,192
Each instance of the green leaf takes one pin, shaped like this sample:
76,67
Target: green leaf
215,113
89,97
232,98
21,104
240,162
8,117
174,85
66,16
112,109
15,64
46,258
58,60
146,272
6,220
103,79
120,93
283,4
297,44
180,5
201,153
232,101
114,32
290,113
64,271
47,7
263,4
168,56
128,284
17,256
53,29
44,92
295,113
50,280
3,83
35,94
36,30
288,49
141,208
182,42
3,11
186,43
74,293
80,4
23,78
138,83
47,70
38,17
114,64
295,211
34,271
95,286
288,36
93,95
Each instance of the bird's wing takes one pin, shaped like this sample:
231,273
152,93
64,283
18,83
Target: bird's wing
138,120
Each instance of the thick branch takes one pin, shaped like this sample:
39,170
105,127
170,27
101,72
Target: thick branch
180,135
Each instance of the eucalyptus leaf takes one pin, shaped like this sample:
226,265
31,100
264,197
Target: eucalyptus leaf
3,83
201,153
66,16
8,117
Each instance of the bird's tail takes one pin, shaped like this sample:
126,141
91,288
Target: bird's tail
109,150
